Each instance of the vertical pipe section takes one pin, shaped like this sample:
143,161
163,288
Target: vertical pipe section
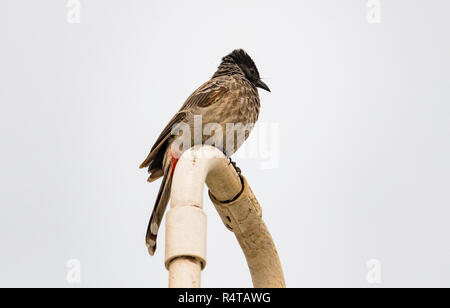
186,221
185,272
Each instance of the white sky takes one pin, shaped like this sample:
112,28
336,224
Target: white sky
362,109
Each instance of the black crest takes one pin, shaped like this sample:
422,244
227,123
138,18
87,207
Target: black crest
240,57
245,63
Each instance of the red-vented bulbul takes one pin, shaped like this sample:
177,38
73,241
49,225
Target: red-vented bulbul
230,96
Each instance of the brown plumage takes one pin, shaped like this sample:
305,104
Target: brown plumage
230,96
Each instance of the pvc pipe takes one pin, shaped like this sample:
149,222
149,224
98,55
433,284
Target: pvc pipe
240,211
185,245
184,273
186,220
243,216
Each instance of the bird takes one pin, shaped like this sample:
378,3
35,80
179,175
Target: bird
230,96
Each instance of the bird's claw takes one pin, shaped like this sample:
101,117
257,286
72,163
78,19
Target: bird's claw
238,170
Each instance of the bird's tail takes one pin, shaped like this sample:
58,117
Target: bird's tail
160,207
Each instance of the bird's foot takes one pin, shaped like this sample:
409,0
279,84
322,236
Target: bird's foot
231,162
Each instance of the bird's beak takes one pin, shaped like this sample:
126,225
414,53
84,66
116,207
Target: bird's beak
262,85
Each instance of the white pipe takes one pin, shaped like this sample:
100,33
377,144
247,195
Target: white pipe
186,220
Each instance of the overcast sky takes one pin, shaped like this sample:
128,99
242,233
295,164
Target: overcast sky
360,106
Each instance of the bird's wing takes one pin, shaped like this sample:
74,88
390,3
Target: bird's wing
206,95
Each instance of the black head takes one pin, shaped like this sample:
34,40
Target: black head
246,64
